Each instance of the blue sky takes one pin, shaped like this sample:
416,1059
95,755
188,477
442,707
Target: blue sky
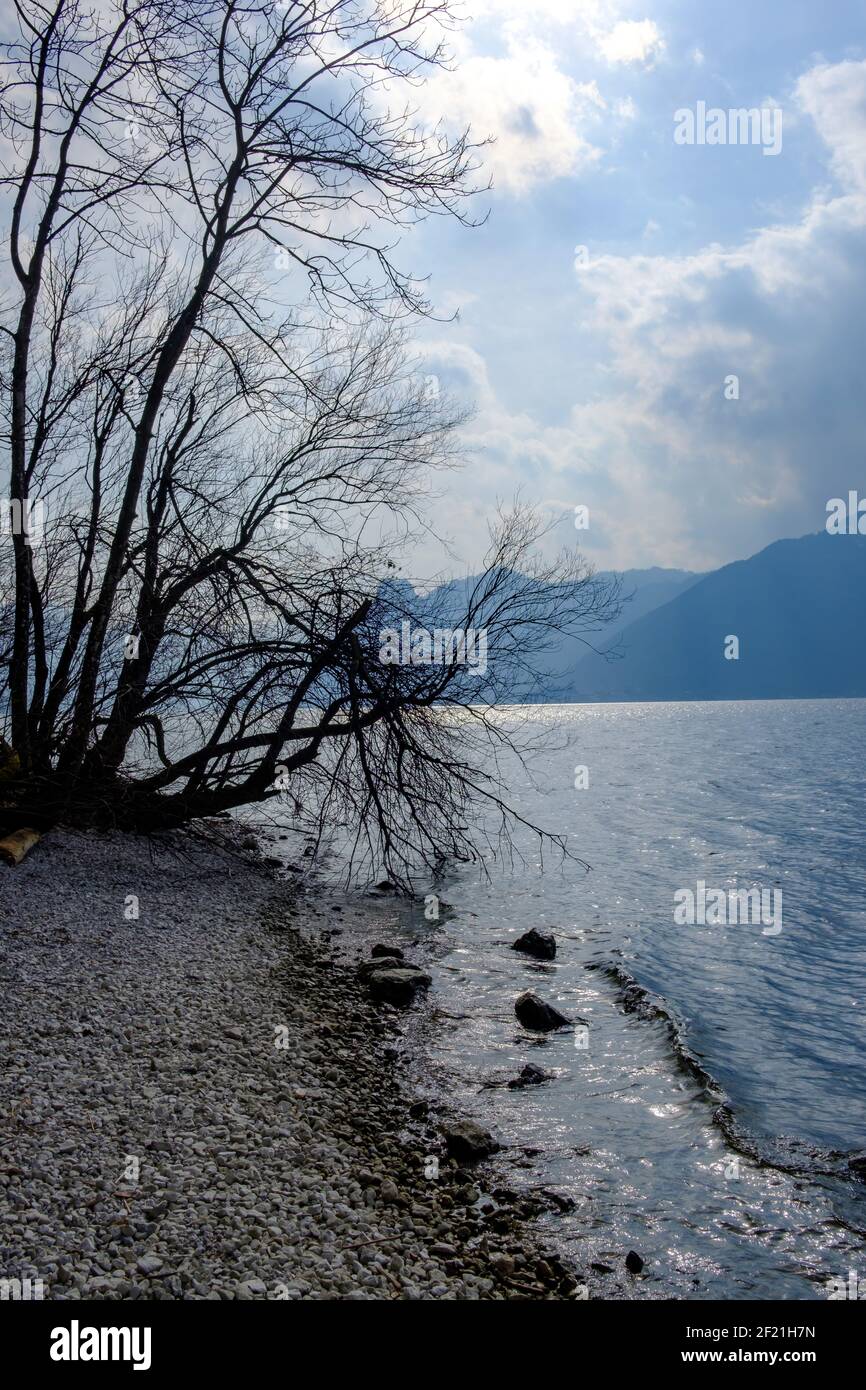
604,384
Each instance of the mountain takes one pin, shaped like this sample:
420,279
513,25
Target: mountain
796,607
642,591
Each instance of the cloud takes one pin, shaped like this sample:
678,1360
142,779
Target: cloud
543,119
780,310
675,472
574,13
632,41
536,114
835,98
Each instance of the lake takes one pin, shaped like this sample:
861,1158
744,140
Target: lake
705,1115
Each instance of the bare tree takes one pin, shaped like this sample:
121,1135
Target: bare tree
205,381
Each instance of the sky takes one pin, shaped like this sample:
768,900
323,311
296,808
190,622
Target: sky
622,278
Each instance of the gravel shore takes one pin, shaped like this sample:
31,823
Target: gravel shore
198,1101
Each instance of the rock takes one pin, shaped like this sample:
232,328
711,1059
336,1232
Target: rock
149,1264
468,1142
541,944
398,986
375,967
418,1109
557,1199
251,1288
502,1263
857,1164
380,950
529,1076
534,1013
633,1262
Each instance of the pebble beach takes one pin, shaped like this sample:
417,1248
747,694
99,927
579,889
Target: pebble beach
200,1100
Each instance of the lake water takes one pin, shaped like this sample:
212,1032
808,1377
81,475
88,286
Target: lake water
710,1132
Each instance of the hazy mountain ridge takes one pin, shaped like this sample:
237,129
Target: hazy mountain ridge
795,607
642,590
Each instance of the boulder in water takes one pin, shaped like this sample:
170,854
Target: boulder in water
535,1014
380,963
529,1076
398,986
468,1142
540,944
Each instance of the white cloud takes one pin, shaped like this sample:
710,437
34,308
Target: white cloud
684,476
536,114
571,12
543,120
632,41
675,325
835,98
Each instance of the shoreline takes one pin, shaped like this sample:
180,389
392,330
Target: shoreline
202,1101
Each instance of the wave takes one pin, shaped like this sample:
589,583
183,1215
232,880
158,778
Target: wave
789,1155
